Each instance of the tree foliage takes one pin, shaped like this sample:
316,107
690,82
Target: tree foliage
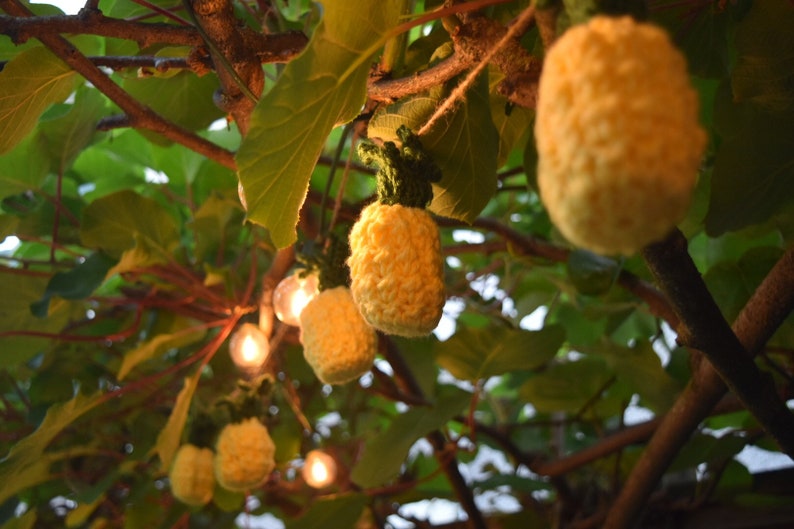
563,388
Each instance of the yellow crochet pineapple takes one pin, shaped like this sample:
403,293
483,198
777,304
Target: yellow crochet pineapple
396,266
244,455
397,269
338,343
617,133
191,475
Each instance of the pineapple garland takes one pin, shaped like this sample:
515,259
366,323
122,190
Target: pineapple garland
617,132
396,266
338,343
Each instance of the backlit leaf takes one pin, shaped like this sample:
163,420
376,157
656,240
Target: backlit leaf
322,88
169,438
463,143
567,386
29,83
112,222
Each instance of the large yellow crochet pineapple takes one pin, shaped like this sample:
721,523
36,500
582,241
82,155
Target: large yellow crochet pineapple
244,455
397,270
191,475
617,132
338,343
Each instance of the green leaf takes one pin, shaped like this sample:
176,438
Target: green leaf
567,386
343,511
323,87
474,354
184,98
385,453
754,166
64,137
77,283
185,331
512,124
19,292
464,144
29,83
22,169
112,222
640,368
764,72
27,464
170,437
143,254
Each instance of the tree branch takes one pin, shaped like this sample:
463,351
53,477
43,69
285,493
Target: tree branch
768,307
704,328
140,115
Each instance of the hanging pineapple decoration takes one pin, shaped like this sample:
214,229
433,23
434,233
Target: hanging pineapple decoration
244,451
192,475
396,266
338,343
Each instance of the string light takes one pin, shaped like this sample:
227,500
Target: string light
291,295
249,347
319,469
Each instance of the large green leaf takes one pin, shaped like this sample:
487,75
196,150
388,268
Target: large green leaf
19,292
474,354
184,331
112,222
342,511
22,169
323,87
463,143
385,453
27,464
567,386
29,83
170,436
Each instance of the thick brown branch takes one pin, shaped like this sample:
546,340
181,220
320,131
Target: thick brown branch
389,90
704,328
238,68
140,115
770,304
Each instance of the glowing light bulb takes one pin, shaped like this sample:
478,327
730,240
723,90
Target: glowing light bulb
249,347
319,469
291,295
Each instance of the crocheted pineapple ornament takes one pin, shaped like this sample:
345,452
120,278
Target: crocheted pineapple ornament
244,451
338,343
396,266
191,475
617,133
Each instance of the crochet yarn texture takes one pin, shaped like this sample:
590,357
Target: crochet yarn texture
244,455
617,133
397,270
191,475
338,343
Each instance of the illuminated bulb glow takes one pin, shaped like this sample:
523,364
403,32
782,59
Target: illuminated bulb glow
249,347
319,470
291,295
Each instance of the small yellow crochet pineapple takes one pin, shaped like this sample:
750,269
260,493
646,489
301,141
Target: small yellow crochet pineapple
338,343
191,475
617,133
396,266
244,455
